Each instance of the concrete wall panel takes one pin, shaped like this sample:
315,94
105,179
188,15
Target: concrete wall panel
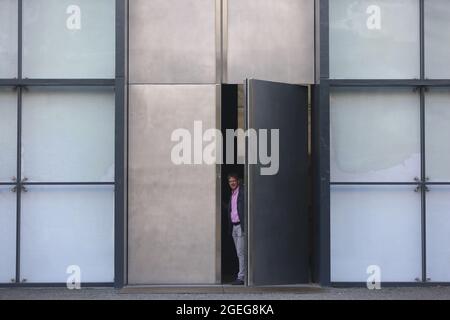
172,41
270,40
172,209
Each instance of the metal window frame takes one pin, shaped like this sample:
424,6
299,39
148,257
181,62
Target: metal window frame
321,145
120,143
118,83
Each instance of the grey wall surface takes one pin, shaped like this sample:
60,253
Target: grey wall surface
178,50
172,209
172,41
269,40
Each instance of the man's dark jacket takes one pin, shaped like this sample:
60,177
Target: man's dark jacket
240,208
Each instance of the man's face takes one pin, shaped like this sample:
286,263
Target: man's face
233,183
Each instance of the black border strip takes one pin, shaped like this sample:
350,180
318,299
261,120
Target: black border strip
120,170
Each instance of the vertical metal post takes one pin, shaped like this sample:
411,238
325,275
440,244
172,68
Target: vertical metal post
19,141
324,39
323,149
18,181
423,184
422,141
422,38
120,174
19,37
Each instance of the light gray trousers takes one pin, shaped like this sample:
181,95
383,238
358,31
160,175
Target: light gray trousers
239,243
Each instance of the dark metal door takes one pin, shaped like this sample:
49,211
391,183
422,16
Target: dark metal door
277,203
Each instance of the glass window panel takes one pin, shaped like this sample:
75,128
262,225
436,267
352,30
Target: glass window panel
271,40
375,135
438,233
437,134
8,38
8,134
68,134
65,226
375,225
173,41
68,38
374,39
7,234
437,39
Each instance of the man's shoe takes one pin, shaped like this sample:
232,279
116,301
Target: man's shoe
238,282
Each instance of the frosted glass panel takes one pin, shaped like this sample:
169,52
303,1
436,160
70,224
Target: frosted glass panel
68,134
8,38
8,134
7,234
376,225
437,39
438,233
374,39
437,134
68,38
375,135
65,226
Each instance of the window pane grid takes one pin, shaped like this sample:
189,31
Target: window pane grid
433,183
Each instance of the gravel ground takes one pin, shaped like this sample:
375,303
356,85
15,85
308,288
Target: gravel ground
424,293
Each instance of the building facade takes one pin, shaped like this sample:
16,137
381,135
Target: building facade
91,93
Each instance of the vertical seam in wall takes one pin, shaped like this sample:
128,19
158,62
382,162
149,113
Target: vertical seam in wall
218,40
218,221
224,36
127,23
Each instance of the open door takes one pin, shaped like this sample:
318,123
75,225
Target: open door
278,251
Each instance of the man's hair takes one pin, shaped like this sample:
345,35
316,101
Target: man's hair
233,175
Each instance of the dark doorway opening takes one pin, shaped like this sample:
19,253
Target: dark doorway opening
277,221
232,117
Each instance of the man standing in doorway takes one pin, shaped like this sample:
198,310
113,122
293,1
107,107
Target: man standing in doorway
236,217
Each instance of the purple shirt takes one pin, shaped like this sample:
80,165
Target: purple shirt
234,210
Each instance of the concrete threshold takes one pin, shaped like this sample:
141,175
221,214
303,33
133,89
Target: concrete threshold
208,289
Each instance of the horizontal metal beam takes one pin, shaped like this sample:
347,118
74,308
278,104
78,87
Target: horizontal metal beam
56,82
372,183
56,285
389,284
68,183
389,183
386,83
